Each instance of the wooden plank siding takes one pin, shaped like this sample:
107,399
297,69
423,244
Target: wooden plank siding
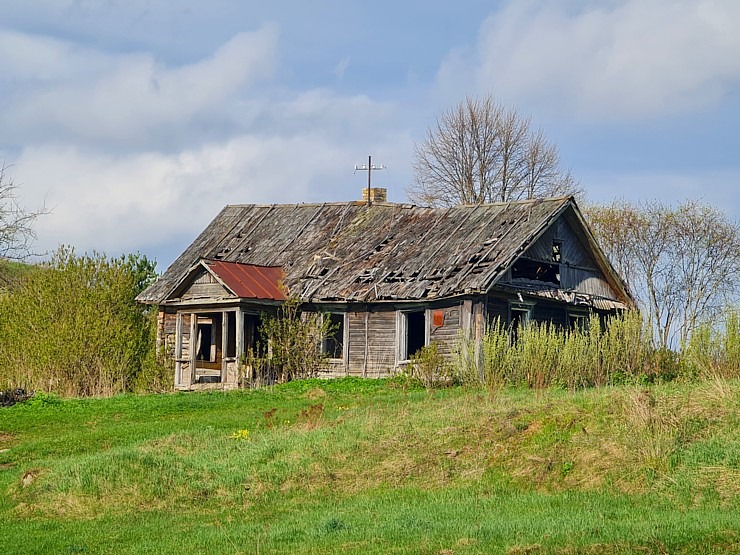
381,354
578,269
357,342
448,333
372,343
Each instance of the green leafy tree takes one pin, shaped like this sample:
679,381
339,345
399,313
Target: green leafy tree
74,327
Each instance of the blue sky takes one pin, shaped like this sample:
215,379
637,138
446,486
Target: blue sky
136,121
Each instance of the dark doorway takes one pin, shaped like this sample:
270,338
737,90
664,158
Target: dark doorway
519,318
334,342
415,332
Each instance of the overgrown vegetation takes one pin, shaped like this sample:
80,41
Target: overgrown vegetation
682,263
73,327
430,367
622,351
290,346
373,466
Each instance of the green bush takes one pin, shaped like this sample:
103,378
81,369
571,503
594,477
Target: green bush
290,346
429,367
74,328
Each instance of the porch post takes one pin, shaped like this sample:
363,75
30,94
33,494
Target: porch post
239,336
193,345
178,349
224,343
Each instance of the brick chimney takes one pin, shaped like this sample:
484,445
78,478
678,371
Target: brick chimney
377,194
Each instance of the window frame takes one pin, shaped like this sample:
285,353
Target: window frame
578,319
345,337
402,354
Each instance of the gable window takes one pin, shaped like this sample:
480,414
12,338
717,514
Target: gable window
333,344
557,251
534,270
413,333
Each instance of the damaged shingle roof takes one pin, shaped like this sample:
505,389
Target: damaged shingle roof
347,252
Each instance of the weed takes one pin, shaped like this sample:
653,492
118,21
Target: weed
242,435
429,367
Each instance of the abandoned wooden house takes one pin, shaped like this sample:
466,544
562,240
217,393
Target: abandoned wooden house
391,277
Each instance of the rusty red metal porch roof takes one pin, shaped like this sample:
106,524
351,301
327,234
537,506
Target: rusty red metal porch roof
248,281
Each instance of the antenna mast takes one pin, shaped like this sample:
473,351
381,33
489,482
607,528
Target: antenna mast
369,168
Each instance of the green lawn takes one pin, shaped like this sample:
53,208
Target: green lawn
353,466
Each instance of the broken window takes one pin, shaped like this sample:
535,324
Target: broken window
557,251
208,339
578,321
518,318
534,270
414,333
333,344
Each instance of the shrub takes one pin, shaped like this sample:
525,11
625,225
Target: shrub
714,351
291,345
74,328
544,355
429,367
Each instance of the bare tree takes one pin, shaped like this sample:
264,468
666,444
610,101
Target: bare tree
683,264
16,222
480,151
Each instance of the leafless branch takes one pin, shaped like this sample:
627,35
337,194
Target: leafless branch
16,222
480,151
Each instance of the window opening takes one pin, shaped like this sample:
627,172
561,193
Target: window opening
557,251
231,334
209,327
334,342
415,333
534,270
578,321
519,319
208,348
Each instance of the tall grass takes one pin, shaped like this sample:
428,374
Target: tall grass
544,355
714,351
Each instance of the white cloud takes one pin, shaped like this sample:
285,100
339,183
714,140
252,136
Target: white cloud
606,61
123,202
63,92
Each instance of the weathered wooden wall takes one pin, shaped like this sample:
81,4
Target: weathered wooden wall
448,333
578,270
204,288
372,343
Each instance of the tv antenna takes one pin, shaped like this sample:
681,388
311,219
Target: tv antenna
369,168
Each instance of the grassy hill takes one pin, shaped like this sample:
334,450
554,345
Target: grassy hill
353,466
